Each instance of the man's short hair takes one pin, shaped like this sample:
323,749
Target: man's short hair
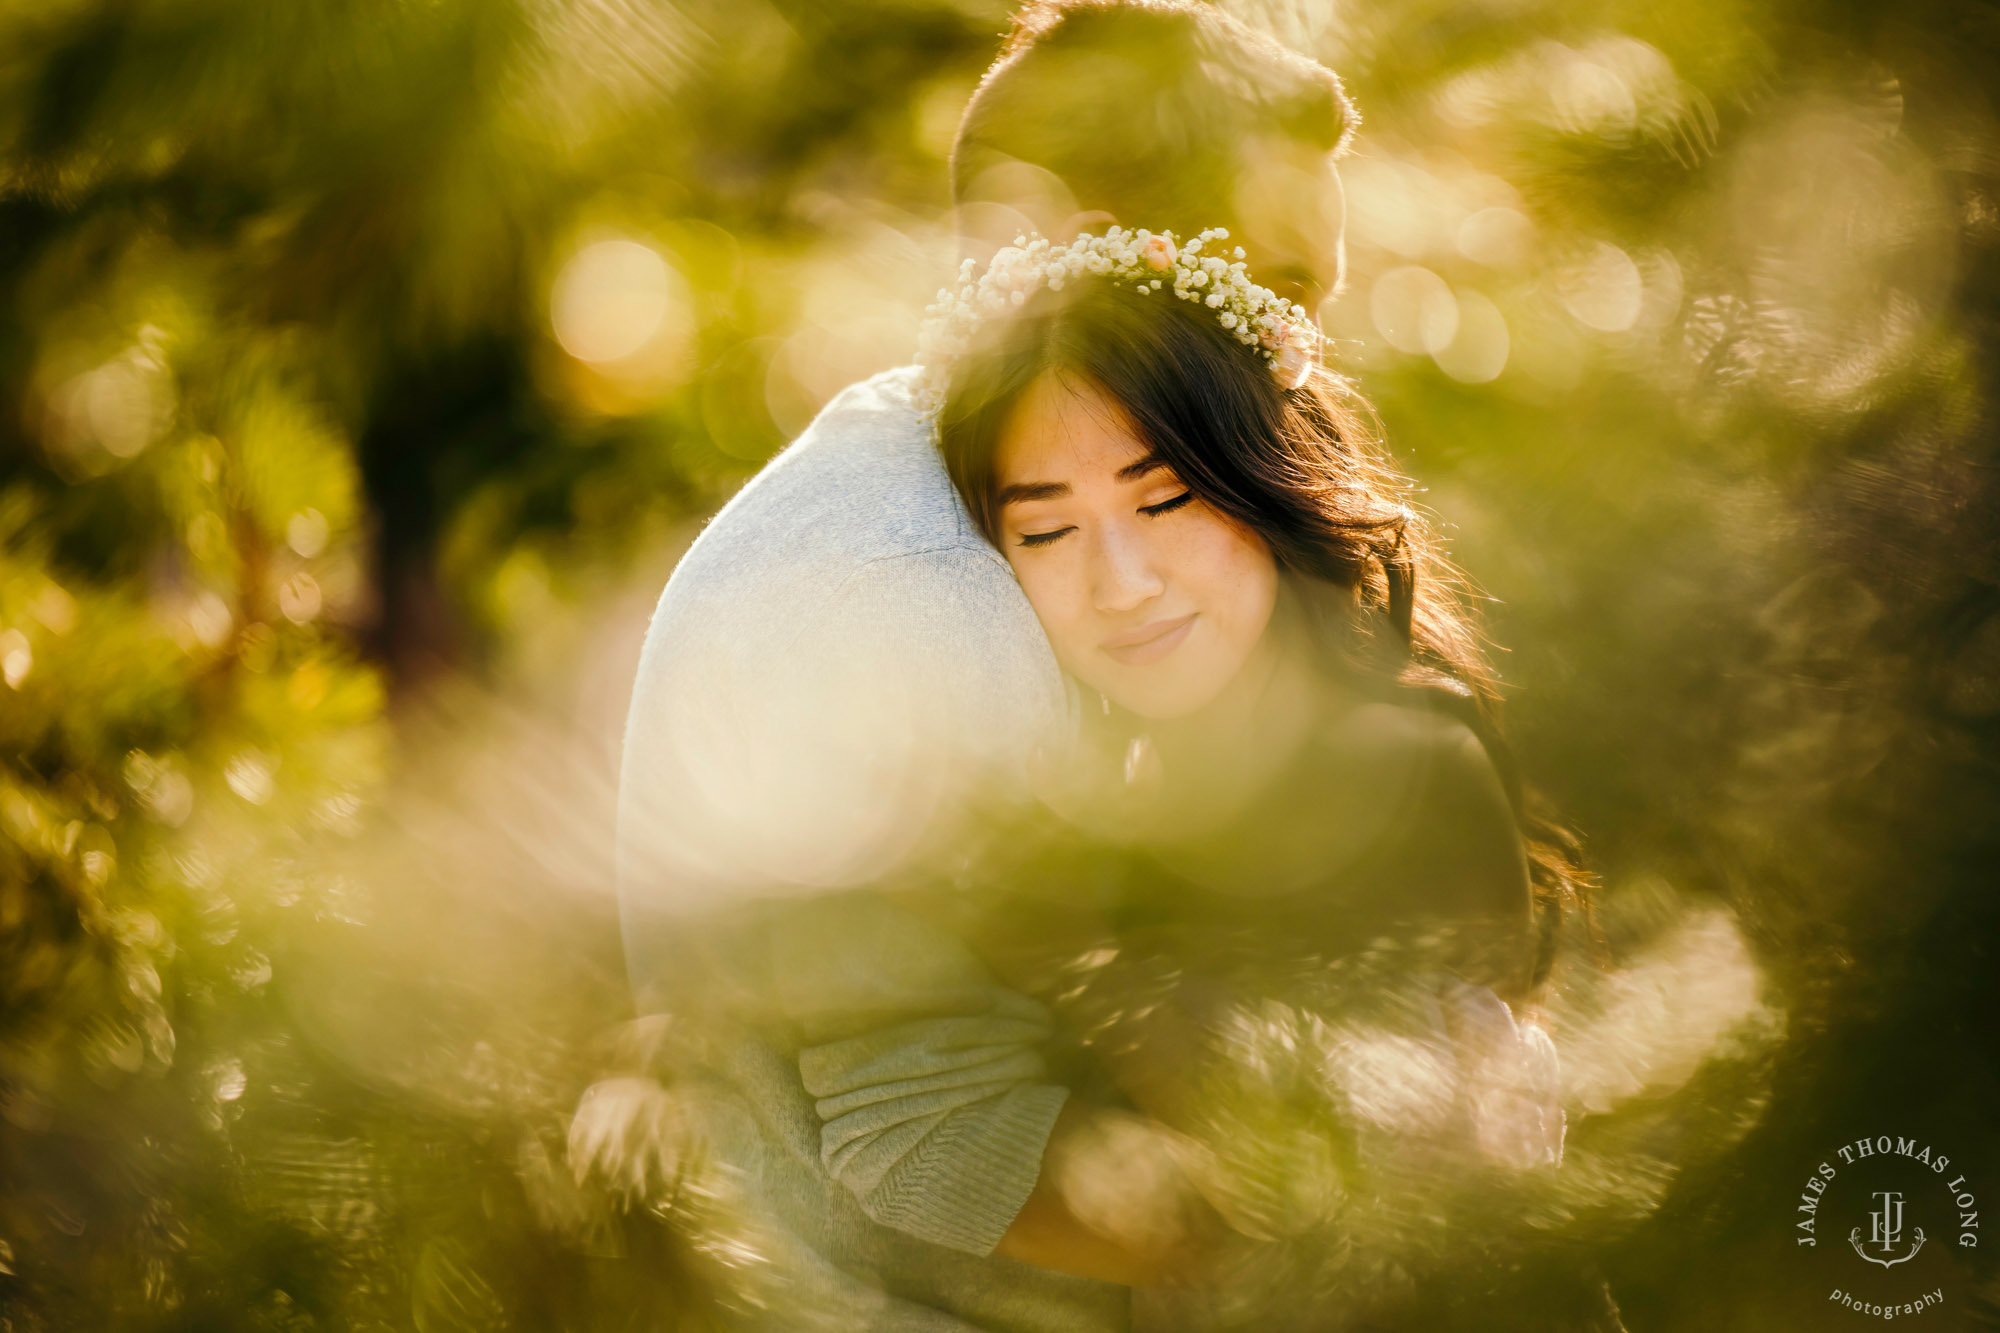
1143,107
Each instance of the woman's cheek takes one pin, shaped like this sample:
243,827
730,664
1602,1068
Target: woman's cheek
1239,581
1052,598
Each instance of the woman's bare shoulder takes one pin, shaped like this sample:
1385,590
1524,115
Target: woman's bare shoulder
1452,812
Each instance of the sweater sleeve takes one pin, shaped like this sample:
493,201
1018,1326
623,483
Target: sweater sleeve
934,1101
938,1126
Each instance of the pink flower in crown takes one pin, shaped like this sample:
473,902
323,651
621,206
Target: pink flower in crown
1159,253
1293,362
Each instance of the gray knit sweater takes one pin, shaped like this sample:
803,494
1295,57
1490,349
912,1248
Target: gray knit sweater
837,666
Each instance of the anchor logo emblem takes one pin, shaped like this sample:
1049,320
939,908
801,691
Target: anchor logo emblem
1886,1231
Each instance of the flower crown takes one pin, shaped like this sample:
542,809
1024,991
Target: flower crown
1276,329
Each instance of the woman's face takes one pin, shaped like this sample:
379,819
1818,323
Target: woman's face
1145,592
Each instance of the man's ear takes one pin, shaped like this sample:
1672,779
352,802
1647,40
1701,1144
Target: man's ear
1292,206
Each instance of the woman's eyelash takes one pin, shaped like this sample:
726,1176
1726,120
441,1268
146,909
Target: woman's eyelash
1163,507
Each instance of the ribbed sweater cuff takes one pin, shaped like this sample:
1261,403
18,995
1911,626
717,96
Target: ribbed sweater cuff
965,1183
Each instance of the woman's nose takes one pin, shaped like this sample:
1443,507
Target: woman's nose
1125,575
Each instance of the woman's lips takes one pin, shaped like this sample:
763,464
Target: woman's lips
1149,642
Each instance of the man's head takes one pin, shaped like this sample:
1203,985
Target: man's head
1164,114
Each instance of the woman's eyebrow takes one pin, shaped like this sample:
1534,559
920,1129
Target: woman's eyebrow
1022,491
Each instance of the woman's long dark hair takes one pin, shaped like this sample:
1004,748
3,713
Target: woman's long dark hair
1299,467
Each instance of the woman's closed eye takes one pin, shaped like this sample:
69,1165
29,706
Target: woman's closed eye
1151,511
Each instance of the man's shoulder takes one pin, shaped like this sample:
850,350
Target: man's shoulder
853,530
863,482
890,392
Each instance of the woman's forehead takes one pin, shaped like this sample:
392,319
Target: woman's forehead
1066,430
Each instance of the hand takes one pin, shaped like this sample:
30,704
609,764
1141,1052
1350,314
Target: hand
1510,1078
1114,1203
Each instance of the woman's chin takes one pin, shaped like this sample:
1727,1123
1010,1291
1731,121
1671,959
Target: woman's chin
1163,699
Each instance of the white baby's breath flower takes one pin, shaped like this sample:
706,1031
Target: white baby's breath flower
1148,261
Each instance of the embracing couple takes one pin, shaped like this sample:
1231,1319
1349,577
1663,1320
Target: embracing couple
1069,721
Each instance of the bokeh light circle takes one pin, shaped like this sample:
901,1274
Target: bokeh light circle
610,299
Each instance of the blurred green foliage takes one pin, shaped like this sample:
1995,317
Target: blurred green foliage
317,398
